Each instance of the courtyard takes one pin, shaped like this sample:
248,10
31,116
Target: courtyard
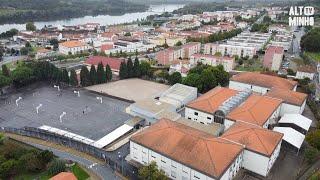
85,115
131,89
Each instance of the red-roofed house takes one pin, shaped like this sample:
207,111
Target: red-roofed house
114,63
109,36
273,58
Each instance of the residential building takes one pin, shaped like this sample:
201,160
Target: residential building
273,58
44,53
228,63
73,47
306,72
230,50
260,83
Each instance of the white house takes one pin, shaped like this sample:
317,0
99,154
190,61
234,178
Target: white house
230,50
293,102
183,152
73,47
260,83
306,72
262,146
228,63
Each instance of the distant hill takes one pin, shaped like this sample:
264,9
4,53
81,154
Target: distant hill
21,11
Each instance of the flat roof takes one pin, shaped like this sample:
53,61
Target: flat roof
214,129
112,136
133,89
291,136
296,119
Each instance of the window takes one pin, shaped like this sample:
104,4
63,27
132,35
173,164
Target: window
196,177
173,166
163,161
189,118
209,118
196,113
173,174
153,157
202,122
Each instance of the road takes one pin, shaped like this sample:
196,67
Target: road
9,59
101,170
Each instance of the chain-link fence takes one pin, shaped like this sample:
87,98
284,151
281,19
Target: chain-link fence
122,167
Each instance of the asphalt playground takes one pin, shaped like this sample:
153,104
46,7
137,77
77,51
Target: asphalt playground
85,115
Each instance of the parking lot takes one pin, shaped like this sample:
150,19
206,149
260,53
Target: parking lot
85,115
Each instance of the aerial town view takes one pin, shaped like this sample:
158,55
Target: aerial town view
159,89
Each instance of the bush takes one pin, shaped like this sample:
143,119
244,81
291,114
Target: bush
313,138
9,168
311,154
31,162
56,167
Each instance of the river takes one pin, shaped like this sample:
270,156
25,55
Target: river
102,19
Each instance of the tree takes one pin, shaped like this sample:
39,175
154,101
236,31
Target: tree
45,156
22,75
5,70
179,43
145,68
123,73
291,72
127,34
27,45
313,138
84,77
101,75
54,43
56,166
4,81
1,54
136,67
65,76
31,161
108,73
311,154
207,80
130,68
175,78
151,172
24,51
73,78
30,26
93,74
8,168
266,19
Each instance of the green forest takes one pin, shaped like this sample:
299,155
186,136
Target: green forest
21,11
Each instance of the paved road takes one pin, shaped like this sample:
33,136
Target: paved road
9,59
101,170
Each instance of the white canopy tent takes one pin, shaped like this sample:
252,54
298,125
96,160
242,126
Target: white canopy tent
296,119
291,136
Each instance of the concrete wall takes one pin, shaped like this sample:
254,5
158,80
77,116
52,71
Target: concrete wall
292,109
255,162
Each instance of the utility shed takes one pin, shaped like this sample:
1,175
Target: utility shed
179,95
296,121
291,136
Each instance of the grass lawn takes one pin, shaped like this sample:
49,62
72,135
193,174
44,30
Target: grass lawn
315,56
79,172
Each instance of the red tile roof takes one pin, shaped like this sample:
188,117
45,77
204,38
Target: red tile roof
264,80
290,97
210,101
196,149
255,110
254,138
106,47
64,176
114,63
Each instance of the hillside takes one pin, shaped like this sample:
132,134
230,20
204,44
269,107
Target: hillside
21,11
